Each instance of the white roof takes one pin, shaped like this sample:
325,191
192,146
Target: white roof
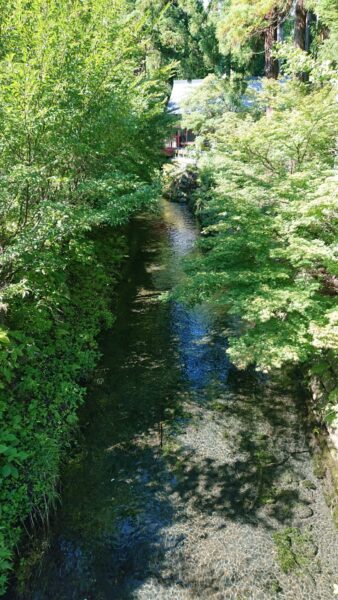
182,89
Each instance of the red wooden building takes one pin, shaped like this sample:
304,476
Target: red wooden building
181,137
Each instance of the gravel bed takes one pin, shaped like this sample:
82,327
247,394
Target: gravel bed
234,474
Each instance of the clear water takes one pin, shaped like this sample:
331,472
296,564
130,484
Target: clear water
116,495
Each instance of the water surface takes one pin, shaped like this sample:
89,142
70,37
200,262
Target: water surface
182,473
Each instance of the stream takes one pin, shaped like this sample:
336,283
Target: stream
185,468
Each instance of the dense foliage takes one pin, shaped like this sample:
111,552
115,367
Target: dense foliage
247,31
81,127
82,100
268,200
179,31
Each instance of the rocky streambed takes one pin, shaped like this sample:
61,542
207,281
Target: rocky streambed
191,480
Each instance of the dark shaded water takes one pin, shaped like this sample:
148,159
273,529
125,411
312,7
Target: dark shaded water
150,358
111,533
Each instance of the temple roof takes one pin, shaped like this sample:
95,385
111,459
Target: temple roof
182,88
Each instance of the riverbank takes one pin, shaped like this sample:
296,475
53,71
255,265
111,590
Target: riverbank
48,384
191,479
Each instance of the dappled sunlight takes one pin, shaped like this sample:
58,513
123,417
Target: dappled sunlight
186,468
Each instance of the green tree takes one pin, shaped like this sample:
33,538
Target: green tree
268,201
325,31
81,133
180,33
248,27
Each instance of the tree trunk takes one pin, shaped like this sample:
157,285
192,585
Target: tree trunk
270,37
300,25
310,25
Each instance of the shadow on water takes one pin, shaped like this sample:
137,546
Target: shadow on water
261,450
110,533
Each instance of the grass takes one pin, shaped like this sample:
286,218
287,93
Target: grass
294,549
219,406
